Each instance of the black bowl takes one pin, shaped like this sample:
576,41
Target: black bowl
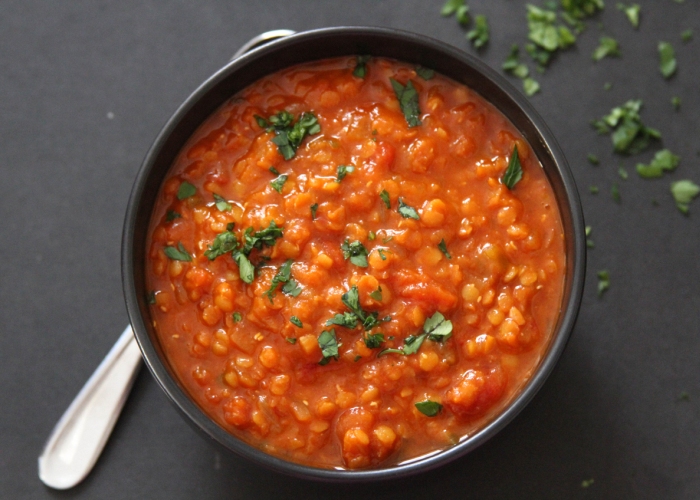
314,45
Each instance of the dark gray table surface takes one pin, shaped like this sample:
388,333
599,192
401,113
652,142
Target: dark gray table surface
86,85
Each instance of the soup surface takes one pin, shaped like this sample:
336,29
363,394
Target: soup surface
354,263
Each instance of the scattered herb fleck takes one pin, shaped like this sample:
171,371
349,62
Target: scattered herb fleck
589,241
291,340
622,173
283,275
408,101
328,343
278,183
615,192
429,408
443,248
314,208
479,35
513,65
684,396
667,60
603,282
171,215
186,190
514,172
607,86
371,236
425,73
151,298
687,35
178,253
296,322
221,204
530,86
274,170
288,137
593,159
676,102
384,195
356,252
629,134
361,67
292,288
344,170
586,483
632,13
236,317
594,189
683,193
664,161
608,47
377,294
407,212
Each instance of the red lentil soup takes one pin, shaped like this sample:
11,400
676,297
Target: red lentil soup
348,269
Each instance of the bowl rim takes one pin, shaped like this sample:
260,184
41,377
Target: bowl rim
136,308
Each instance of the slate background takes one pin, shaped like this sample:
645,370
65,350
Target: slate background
611,411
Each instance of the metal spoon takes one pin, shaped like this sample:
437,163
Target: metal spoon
80,435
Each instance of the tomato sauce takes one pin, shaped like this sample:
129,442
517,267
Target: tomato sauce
409,226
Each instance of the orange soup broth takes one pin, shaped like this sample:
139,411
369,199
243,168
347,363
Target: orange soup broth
501,287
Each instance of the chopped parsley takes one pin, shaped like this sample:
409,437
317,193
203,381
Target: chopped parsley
291,340
384,195
151,298
513,65
530,86
425,73
223,243
629,135
580,9
684,396
587,483
589,241
632,13
443,248
603,282
479,35
377,294
407,212
236,317
608,47
360,67
607,86
178,253
615,193
683,193
328,343
381,251
283,275
344,170
296,322
408,101
265,237
429,408
547,37
246,269
356,252
457,7
288,137
687,35
594,189
622,173
278,183
663,161
292,288
350,319
436,328
667,60
371,236
186,190
274,170
373,340
314,208
221,204
171,215
593,159
514,172
676,103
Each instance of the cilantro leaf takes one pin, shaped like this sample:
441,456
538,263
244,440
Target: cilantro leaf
514,172
683,193
429,408
288,137
346,319
178,253
667,60
171,215
296,322
186,190
580,9
408,101
236,317
246,270
328,343
530,86
344,170
438,328
257,239
589,242
361,67
278,183
292,288
373,340
314,208
274,170
632,13
513,65
282,275
223,243
603,282
221,204
407,212
356,252
608,47
377,294
384,195
629,134
412,343
425,73
443,248
664,161
593,159
451,7
479,36
291,340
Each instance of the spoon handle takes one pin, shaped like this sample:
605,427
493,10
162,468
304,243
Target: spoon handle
79,436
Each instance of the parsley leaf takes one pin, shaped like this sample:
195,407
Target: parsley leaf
314,208
328,343
425,73
683,193
223,243
667,59
407,212
246,270
344,170
377,294
265,237
296,322
288,137
513,65
603,282
608,47
274,170
479,36
291,340
186,190
663,161
236,317
412,343
346,319
360,67
632,13
629,134
171,215
384,195
278,183
429,408
408,101
282,275
373,340
514,172
443,248
356,252
351,299
221,203
178,253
